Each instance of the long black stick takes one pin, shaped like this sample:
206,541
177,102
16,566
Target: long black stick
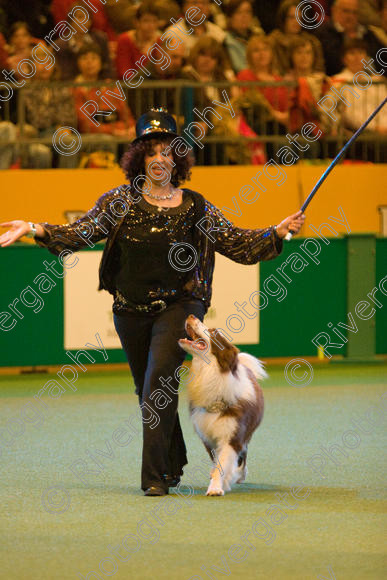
336,160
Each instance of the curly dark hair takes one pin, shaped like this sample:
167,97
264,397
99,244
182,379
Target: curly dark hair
133,161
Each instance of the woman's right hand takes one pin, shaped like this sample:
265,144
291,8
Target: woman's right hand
17,229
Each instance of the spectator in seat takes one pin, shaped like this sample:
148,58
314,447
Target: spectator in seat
133,44
207,63
312,85
61,8
20,45
265,108
240,29
119,122
46,109
67,55
368,99
344,25
206,28
165,96
288,29
276,99
122,13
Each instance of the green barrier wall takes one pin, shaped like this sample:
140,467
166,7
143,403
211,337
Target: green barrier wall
315,296
381,313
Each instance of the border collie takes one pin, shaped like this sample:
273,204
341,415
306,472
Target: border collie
225,401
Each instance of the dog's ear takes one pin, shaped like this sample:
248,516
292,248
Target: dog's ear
225,353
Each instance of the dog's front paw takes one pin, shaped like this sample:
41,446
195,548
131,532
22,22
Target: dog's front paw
214,490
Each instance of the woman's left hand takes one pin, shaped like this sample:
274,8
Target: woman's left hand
292,223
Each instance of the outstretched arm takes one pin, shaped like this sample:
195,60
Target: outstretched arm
94,226
247,246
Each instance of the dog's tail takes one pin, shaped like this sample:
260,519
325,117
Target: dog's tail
253,364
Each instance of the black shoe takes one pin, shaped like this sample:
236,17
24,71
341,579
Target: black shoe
172,480
156,490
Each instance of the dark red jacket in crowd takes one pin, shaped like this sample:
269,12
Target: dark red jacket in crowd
61,8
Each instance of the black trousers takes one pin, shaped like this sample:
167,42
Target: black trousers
152,351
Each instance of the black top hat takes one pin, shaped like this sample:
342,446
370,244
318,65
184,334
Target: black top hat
156,122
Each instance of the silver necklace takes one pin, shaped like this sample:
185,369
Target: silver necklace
160,197
169,196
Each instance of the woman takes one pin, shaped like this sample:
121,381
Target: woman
116,122
166,95
288,28
207,63
46,108
61,8
240,28
69,49
120,121
262,68
265,106
311,86
133,44
21,43
152,298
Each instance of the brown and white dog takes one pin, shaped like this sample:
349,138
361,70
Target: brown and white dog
225,401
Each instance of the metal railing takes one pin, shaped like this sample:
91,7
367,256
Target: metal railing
219,146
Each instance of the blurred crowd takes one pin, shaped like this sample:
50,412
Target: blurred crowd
286,70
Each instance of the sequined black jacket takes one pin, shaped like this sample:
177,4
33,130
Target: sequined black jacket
245,246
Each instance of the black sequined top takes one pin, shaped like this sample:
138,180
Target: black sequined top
116,212
147,267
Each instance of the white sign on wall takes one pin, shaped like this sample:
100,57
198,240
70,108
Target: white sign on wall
233,283
88,311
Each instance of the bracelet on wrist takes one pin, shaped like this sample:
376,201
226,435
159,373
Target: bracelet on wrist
32,232
276,233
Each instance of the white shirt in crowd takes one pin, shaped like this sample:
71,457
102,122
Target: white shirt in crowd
359,109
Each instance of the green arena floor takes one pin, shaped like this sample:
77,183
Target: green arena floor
56,526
